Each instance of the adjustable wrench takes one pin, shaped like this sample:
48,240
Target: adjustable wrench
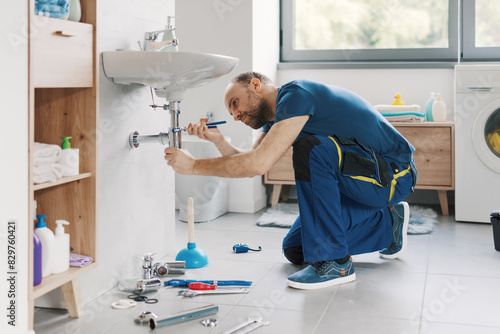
246,327
193,293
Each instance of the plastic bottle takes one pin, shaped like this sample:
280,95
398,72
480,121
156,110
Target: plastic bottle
428,107
47,239
75,11
169,35
69,159
60,259
37,257
439,109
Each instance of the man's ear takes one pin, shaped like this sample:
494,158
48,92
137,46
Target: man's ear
256,84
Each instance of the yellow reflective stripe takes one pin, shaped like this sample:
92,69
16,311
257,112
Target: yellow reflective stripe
366,179
395,181
338,150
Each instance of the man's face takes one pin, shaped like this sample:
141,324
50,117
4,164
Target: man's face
245,105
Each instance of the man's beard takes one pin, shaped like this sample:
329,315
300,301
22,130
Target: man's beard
260,113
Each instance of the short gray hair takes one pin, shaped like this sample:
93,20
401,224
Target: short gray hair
246,77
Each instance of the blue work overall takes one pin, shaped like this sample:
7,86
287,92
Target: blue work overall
344,190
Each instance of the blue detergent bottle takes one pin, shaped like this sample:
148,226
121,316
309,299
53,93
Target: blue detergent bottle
37,260
428,107
37,255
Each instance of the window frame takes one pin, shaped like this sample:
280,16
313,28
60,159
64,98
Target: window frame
469,50
461,43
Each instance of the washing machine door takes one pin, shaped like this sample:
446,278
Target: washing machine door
486,135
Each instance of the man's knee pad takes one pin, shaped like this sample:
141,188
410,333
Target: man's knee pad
294,255
301,150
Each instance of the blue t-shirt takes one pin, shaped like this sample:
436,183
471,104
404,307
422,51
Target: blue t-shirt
335,110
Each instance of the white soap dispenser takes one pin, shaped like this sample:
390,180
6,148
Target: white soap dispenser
169,35
60,261
439,109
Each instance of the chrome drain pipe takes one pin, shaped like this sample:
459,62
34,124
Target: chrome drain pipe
170,138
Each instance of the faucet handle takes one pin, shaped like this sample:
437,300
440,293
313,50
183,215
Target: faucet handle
148,257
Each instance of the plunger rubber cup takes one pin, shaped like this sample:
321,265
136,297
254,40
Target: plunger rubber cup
193,256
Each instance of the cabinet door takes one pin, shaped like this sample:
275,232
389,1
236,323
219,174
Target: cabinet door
62,54
283,169
433,154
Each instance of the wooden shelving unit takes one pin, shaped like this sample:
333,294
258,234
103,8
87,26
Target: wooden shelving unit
63,101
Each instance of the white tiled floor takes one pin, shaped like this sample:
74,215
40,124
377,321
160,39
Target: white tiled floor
446,282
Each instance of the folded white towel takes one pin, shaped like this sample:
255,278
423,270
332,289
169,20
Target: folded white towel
45,153
405,118
47,173
54,168
391,108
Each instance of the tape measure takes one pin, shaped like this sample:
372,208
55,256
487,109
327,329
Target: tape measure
243,248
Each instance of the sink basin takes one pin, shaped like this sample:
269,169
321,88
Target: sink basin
169,73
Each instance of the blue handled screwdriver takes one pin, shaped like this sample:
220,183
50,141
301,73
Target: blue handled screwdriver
212,125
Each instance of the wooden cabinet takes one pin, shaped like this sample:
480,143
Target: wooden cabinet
434,158
63,101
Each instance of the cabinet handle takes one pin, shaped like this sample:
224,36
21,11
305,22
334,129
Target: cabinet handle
488,88
66,33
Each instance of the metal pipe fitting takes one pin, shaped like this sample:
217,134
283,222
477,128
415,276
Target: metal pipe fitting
196,313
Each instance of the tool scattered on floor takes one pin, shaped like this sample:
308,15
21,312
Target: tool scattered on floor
162,269
194,293
123,304
210,322
194,257
212,125
188,315
186,282
144,317
243,248
251,324
141,298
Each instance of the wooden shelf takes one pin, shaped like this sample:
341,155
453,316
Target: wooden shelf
63,180
52,282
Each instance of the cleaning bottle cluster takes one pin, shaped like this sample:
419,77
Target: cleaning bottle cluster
51,254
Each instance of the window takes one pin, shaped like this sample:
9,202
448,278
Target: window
481,29
387,30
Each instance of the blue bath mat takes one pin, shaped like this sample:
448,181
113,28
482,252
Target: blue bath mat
283,215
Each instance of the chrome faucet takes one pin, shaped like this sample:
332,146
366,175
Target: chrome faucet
147,265
154,41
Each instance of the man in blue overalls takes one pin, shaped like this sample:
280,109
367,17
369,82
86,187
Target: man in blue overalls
352,170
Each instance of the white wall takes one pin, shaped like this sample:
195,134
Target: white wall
136,202
379,86
233,28
14,167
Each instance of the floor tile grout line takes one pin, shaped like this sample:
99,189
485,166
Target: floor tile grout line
324,311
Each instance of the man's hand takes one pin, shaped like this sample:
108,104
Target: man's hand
181,161
201,130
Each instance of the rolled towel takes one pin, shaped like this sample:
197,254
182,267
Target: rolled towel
54,8
47,173
44,154
77,260
53,168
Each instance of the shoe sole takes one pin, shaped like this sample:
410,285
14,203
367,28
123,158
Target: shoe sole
320,285
406,222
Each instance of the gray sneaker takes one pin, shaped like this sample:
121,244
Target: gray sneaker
400,220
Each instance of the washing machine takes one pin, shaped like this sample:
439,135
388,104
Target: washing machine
477,142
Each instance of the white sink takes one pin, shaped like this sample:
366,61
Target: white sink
170,73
